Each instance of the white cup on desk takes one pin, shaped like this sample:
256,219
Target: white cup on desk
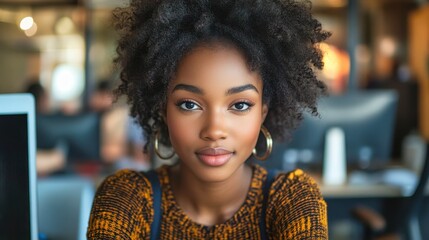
334,162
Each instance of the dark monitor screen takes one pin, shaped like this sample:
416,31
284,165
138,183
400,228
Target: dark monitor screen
367,119
14,177
80,134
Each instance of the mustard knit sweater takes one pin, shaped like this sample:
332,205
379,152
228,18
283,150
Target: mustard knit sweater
122,209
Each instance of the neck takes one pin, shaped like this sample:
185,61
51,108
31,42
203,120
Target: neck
210,203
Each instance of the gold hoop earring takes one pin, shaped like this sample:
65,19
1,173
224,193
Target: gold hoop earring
269,143
156,148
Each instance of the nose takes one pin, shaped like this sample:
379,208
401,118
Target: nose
214,127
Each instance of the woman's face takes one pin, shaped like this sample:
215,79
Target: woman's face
214,112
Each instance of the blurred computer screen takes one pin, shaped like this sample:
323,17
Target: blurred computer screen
78,134
367,119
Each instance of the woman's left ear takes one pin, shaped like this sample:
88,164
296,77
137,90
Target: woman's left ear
264,111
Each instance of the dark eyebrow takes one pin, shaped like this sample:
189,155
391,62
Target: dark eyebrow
188,88
241,89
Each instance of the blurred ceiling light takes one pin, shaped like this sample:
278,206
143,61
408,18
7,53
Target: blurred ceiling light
67,82
336,67
32,31
26,23
64,26
336,61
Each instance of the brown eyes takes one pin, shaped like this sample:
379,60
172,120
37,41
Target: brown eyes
188,105
241,106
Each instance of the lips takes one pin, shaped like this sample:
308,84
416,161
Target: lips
214,157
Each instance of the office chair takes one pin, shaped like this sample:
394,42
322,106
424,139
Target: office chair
64,206
407,215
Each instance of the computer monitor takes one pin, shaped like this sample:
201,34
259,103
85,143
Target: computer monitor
18,208
367,119
78,134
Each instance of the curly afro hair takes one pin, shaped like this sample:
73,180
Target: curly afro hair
278,38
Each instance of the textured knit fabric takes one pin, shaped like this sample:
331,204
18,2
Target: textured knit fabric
122,209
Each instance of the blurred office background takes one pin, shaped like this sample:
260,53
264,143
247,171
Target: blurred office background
376,60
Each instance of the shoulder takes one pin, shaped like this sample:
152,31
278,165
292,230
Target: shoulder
295,187
121,207
294,182
125,187
295,198
126,180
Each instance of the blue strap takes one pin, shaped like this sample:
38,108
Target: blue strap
155,228
266,192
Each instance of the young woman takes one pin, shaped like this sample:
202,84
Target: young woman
209,78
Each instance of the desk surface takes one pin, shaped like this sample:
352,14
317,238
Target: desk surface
347,190
362,191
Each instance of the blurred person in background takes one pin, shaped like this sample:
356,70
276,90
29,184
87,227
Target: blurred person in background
40,95
122,139
48,161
